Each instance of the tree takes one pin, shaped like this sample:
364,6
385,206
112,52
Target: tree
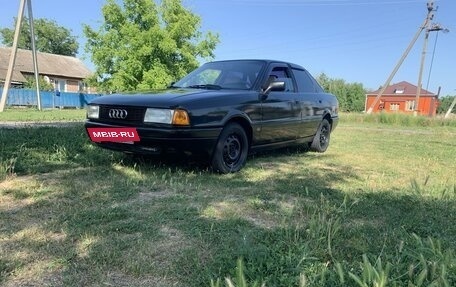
444,104
50,37
44,85
351,96
145,45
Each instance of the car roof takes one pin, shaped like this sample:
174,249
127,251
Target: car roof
267,61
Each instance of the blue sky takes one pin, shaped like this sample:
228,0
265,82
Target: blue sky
356,40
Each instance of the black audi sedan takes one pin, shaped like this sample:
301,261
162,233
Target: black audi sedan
223,110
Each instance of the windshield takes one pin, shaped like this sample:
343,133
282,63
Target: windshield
239,75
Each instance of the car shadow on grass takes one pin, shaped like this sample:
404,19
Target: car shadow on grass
201,163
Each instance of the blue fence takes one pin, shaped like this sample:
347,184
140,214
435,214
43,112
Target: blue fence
26,97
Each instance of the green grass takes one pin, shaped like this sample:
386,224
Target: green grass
34,115
377,209
400,119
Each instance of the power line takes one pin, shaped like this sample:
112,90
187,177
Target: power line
322,2
437,28
432,61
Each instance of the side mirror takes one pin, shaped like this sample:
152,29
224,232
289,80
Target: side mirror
274,87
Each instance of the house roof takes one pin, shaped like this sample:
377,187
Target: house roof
402,89
17,75
48,64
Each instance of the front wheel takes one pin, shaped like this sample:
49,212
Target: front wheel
231,150
321,140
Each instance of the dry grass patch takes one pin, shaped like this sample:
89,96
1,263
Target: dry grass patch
120,279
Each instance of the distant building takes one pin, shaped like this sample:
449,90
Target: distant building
401,97
65,73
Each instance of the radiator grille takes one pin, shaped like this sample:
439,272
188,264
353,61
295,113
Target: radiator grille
134,114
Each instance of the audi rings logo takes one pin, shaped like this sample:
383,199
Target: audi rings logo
118,114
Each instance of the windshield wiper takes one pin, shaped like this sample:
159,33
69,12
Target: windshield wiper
206,86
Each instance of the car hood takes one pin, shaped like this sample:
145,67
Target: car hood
163,99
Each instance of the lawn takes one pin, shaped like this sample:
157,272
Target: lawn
33,115
378,207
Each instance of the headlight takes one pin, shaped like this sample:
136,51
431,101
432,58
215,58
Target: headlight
165,116
93,112
158,116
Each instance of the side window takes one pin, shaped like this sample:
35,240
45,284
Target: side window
283,74
305,83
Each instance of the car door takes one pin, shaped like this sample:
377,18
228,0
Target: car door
310,102
281,116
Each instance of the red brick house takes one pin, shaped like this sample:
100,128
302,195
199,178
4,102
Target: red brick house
65,73
401,97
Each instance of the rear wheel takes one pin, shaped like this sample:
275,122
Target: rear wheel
321,140
231,150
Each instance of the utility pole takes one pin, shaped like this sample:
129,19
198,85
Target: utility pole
12,60
437,28
9,73
450,109
430,7
429,17
35,59
429,28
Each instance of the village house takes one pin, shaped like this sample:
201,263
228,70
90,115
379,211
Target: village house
401,97
65,73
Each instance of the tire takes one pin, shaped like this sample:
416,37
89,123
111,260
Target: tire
321,140
231,150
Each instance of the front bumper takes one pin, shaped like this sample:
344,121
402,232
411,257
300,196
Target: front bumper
156,140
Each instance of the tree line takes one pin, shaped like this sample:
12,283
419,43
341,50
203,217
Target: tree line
351,96
143,44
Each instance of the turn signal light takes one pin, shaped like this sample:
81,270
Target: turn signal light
180,118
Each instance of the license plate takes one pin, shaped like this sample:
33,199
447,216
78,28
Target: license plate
123,135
